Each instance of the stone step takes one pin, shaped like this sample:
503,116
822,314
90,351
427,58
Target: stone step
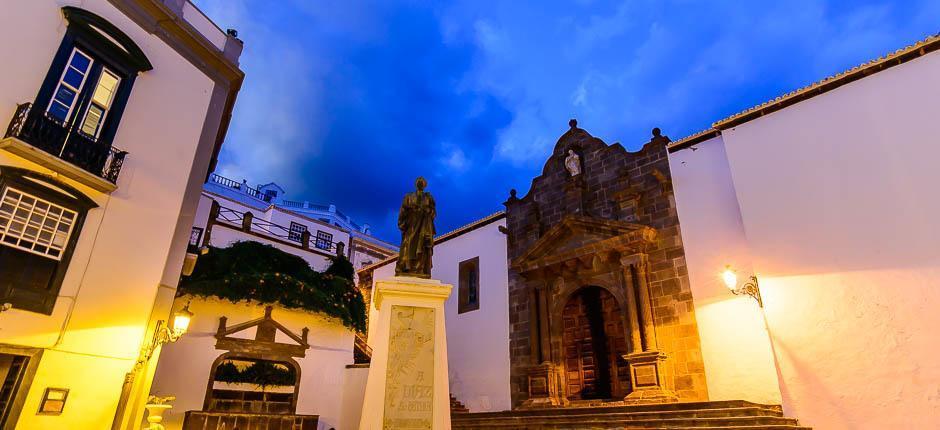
727,415
456,407
601,421
615,407
750,411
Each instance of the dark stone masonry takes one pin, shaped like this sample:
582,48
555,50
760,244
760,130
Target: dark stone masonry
600,305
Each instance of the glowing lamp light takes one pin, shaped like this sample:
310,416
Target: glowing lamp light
181,320
730,278
750,288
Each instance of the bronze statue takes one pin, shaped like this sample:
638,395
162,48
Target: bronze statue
416,222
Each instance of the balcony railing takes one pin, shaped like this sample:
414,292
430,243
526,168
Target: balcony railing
247,222
43,132
362,352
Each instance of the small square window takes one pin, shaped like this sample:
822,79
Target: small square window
324,240
296,231
468,288
53,401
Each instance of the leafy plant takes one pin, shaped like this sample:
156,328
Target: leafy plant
260,373
257,272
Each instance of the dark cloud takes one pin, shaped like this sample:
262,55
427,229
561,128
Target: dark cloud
347,102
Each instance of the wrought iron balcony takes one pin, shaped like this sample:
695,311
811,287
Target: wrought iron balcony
78,150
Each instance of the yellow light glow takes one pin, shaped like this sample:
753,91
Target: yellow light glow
181,320
730,278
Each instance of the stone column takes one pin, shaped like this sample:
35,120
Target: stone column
641,268
648,371
545,337
408,381
633,321
543,377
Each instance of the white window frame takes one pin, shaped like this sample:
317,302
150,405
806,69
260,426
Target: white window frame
78,91
5,226
106,109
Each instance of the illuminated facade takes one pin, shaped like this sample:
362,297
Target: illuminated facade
115,112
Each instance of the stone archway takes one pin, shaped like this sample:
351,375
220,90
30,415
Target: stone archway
593,346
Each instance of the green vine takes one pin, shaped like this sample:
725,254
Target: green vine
254,271
259,373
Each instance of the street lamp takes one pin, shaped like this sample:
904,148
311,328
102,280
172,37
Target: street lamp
750,287
166,334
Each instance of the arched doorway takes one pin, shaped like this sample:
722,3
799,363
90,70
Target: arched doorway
594,343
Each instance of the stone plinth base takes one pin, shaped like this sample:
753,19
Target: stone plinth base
543,388
407,387
648,377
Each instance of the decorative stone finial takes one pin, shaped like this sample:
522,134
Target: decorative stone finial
512,193
657,132
573,123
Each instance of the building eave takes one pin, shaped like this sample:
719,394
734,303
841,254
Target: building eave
827,84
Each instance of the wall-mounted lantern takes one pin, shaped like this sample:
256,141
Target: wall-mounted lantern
750,287
6,306
168,333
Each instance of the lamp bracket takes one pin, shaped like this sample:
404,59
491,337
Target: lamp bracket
750,288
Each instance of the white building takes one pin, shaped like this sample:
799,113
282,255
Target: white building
472,259
116,110
281,222
827,195
328,385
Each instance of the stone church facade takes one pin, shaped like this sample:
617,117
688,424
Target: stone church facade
600,305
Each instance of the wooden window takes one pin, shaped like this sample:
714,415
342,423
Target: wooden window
296,232
468,294
40,220
34,225
324,240
70,85
53,401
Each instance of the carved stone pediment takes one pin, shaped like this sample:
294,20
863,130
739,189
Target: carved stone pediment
264,344
582,239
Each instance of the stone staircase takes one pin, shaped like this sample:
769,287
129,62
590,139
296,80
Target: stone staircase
456,407
723,415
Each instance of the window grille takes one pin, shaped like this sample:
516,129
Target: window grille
34,225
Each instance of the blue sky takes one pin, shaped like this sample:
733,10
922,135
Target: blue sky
347,101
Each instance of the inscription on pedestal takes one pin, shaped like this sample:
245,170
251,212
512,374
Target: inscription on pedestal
409,389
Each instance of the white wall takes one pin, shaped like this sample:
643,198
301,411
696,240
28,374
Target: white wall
183,370
477,341
223,235
838,208
98,322
735,346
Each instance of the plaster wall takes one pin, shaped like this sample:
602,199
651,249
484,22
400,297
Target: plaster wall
354,391
477,341
98,323
184,367
835,197
225,235
736,349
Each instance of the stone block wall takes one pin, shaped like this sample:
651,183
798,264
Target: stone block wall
615,184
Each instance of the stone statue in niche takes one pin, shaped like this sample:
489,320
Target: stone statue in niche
416,222
573,163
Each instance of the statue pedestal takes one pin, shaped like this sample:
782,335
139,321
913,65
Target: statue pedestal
408,386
